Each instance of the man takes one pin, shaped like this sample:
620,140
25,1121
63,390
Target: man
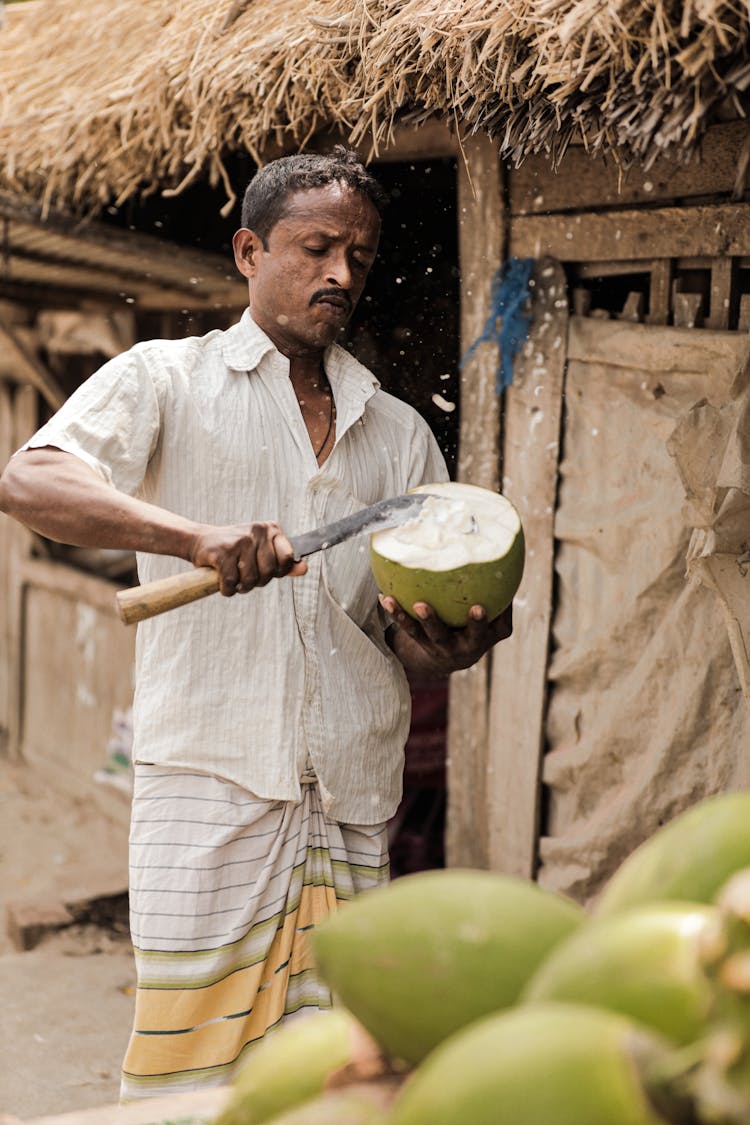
269,731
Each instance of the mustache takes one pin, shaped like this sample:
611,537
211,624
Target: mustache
339,294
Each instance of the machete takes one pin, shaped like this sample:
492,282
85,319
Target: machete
141,602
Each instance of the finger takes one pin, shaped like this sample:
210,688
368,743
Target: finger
477,627
258,555
284,552
481,631
267,562
423,625
436,630
228,578
247,571
401,618
502,626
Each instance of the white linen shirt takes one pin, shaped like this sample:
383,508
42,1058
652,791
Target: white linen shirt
250,687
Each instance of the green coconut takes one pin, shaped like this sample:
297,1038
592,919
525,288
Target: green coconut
553,1063
297,1062
422,957
688,859
647,963
722,1081
465,548
360,1104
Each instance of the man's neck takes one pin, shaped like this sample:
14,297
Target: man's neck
307,371
305,361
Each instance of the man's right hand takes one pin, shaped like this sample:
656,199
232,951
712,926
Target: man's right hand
246,555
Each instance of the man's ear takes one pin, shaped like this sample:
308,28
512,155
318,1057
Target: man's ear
247,247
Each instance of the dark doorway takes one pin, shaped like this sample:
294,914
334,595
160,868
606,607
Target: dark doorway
406,330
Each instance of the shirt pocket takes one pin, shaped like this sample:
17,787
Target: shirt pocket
346,572
348,579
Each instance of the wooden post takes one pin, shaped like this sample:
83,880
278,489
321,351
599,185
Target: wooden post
18,420
533,413
481,251
7,654
723,280
660,296
29,369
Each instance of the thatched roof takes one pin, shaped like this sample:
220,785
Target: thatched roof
104,99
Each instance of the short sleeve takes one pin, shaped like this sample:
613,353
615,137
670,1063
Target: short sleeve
112,422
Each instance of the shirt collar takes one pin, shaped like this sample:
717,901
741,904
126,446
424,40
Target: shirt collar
343,370
245,344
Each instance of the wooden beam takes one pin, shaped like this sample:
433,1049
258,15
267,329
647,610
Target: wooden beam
67,581
687,309
24,269
723,275
47,296
666,232
431,140
143,251
533,414
198,1105
19,405
21,364
8,656
611,269
164,300
583,181
481,251
633,307
660,292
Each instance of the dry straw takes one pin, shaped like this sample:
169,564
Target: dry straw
104,99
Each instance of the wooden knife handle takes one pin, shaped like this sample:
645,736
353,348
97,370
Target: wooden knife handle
153,598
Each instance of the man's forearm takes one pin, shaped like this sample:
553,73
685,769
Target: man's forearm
59,496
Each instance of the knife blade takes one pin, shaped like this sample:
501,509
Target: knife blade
152,598
386,513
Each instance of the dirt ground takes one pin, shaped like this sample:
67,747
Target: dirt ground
67,1003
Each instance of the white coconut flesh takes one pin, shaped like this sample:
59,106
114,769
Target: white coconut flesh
458,524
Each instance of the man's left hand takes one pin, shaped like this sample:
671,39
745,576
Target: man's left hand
429,645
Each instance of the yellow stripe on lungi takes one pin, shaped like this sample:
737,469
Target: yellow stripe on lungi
225,890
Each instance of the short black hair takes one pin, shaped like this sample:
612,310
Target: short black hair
265,197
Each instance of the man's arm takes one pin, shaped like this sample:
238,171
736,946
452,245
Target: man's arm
434,648
60,496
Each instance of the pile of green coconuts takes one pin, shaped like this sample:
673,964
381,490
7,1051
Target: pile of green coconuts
470,998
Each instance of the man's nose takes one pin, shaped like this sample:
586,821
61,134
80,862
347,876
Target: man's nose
339,273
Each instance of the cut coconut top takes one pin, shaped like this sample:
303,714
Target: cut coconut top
458,524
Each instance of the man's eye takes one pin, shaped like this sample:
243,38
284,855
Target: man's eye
317,250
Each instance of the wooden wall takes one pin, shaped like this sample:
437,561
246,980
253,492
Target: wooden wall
17,414
76,671
66,660
670,222
666,245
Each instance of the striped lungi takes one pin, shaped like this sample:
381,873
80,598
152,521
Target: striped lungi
224,890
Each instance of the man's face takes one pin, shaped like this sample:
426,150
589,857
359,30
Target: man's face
304,285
